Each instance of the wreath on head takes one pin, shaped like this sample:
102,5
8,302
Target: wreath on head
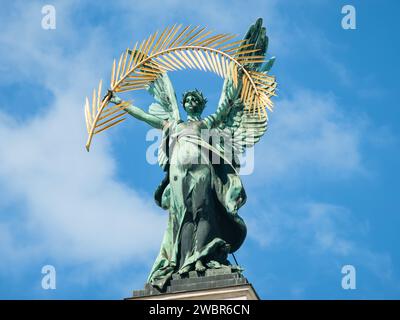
198,94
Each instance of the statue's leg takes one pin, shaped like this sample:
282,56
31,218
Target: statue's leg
200,266
186,244
205,233
204,213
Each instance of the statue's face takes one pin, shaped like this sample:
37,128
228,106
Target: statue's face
192,105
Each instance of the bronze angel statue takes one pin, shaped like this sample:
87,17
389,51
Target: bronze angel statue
201,195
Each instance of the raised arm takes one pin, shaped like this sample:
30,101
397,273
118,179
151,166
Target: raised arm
228,105
140,114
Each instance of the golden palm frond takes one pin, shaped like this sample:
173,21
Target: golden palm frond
100,115
178,48
257,90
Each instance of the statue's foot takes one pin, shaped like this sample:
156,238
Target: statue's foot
200,266
184,270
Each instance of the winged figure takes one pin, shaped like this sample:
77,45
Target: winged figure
202,195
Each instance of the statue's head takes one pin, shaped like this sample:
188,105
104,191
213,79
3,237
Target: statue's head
194,102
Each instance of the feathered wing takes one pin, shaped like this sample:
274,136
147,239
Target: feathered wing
163,92
165,108
238,127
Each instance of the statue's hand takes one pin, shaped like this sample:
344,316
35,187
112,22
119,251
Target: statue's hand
114,98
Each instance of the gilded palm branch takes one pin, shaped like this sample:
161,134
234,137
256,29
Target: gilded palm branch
176,49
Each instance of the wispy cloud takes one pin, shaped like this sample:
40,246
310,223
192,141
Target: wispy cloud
67,203
312,138
309,133
324,234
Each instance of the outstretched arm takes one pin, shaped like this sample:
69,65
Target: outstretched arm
140,114
146,117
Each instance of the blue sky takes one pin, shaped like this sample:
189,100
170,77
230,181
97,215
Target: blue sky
324,190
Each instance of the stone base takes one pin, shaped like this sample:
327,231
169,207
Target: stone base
214,284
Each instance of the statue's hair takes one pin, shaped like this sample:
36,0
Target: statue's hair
196,93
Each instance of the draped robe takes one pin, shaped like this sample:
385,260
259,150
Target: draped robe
202,199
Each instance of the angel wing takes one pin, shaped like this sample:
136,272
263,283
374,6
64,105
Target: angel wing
239,128
163,92
165,108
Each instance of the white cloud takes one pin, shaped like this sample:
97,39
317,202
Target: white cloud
309,133
71,195
239,15
312,137
326,231
72,207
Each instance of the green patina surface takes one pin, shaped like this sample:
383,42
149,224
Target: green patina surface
202,197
